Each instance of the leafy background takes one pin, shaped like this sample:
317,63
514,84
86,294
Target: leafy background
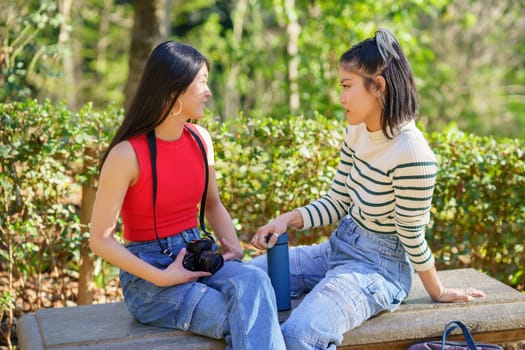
68,68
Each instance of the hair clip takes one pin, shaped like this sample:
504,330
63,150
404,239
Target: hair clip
385,44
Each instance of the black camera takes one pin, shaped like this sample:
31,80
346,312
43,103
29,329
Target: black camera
201,257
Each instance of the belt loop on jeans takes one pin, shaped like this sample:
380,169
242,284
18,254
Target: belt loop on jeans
189,235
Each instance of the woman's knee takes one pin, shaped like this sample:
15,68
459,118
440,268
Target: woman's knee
259,261
250,272
320,321
304,337
242,276
258,277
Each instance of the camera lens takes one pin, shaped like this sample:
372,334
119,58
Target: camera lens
211,262
189,261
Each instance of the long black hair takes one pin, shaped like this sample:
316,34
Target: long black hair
170,69
382,55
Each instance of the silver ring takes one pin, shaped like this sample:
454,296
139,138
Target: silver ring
256,237
276,234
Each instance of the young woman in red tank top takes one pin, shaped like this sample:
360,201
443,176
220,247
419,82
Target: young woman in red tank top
153,176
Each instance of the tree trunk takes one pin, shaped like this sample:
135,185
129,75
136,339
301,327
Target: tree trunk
149,29
68,60
293,30
104,37
87,259
232,99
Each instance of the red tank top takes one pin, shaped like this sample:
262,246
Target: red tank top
180,183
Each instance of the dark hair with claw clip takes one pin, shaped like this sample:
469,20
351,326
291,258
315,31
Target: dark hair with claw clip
382,55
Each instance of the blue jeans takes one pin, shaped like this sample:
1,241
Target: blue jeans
236,303
349,278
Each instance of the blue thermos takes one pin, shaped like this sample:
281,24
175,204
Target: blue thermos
279,272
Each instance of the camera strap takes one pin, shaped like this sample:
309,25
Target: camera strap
152,144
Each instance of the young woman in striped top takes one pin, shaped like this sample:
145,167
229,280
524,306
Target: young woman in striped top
381,196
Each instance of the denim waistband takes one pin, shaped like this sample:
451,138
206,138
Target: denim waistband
171,242
390,240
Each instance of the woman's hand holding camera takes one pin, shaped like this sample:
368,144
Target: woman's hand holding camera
175,273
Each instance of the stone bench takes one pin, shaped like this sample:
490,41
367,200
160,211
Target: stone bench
497,318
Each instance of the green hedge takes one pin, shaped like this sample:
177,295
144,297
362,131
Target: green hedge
267,166
479,204
264,166
41,175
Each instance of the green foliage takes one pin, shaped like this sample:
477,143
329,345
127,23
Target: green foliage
479,212
100,44
468,66
6,305
6,302
34,148
41,163
28,47
268,165
265,166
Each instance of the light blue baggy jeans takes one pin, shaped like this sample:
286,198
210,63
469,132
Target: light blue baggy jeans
349,278
236,303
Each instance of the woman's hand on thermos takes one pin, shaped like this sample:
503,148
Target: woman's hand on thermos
267,235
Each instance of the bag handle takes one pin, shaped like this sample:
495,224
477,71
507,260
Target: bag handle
452,326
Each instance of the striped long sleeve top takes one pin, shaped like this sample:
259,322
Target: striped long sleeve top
385,185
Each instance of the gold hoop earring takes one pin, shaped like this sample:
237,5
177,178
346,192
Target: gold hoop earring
180,109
